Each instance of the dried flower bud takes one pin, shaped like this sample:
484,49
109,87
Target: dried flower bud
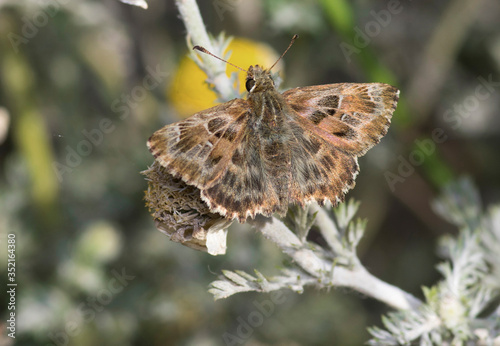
180,213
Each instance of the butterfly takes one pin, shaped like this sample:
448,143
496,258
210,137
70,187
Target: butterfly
257,156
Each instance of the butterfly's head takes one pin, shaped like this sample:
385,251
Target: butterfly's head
258,79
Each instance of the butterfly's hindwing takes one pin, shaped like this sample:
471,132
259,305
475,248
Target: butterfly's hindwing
319,171
246,188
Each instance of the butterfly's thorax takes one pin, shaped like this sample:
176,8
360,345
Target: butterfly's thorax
269,126
266,102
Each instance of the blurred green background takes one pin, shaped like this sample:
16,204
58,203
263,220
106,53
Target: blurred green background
77,105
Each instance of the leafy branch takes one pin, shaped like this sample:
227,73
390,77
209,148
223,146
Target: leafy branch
456,309
316,266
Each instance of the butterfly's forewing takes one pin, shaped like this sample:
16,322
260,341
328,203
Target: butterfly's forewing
199,148
353,117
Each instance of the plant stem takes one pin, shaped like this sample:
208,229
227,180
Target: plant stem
359,279
355,277
197,35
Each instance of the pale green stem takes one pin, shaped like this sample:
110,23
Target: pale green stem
355,276
198,36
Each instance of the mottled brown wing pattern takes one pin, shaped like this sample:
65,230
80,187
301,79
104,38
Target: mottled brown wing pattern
352,116
199,148
258,175
246,188
298,167
319,171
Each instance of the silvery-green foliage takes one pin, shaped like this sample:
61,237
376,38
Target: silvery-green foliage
462,308
313,264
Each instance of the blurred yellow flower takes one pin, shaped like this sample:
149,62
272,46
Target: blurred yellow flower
189,93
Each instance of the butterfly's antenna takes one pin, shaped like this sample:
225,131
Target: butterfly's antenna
282,55
201,49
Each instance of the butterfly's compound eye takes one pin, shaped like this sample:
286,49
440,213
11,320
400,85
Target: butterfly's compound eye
250,84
